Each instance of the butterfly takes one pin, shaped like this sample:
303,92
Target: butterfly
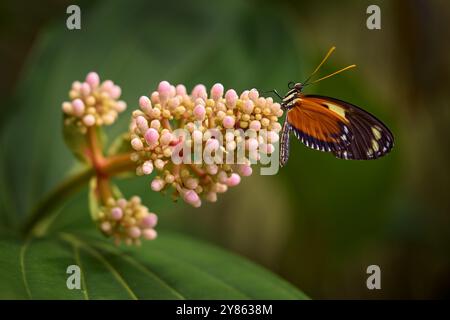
331,125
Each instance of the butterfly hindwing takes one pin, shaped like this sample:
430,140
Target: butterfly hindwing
371,138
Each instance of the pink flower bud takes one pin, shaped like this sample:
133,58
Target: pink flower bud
157,184
116,213
155,124
155,97
164,90
151,136
228,122
261,102
145,103
217,91
275,107
166,138
105,226
134,232
107,85
149,221
244,95
211,197
245,170
122,203
76,85
248,106
67,107
85,88
199,112
231,97
192,198
93,79
78,107
121,106
149,234
147,167
233,180
155,113
253,94
136,143
89,120
180,90
255,125
221,188
115,92
159,164
199,91
142,124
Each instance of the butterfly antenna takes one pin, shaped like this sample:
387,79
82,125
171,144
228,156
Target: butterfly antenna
332,74
320,64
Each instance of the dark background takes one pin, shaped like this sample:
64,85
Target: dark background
321,221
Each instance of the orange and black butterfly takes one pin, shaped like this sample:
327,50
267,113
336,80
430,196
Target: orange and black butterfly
332,125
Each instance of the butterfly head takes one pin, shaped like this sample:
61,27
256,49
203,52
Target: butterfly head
296,86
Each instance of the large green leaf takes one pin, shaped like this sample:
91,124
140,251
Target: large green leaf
137,46
173,267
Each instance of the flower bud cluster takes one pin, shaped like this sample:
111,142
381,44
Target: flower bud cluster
93,103
127,220
155,137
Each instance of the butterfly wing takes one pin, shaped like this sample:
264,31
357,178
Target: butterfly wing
284,145
344,129
318,126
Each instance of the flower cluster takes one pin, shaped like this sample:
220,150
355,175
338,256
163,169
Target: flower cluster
127,221
93,103
155,140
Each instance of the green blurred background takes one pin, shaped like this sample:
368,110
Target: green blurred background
321,221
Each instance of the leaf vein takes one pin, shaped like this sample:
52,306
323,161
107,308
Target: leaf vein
93,252
143,268
23,250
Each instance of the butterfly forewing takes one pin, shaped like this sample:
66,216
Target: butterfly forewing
336,126
318,127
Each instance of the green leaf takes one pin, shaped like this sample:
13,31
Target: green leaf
75,141
173,267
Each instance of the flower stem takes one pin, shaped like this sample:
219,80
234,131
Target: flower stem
95,149
56,197
111,166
